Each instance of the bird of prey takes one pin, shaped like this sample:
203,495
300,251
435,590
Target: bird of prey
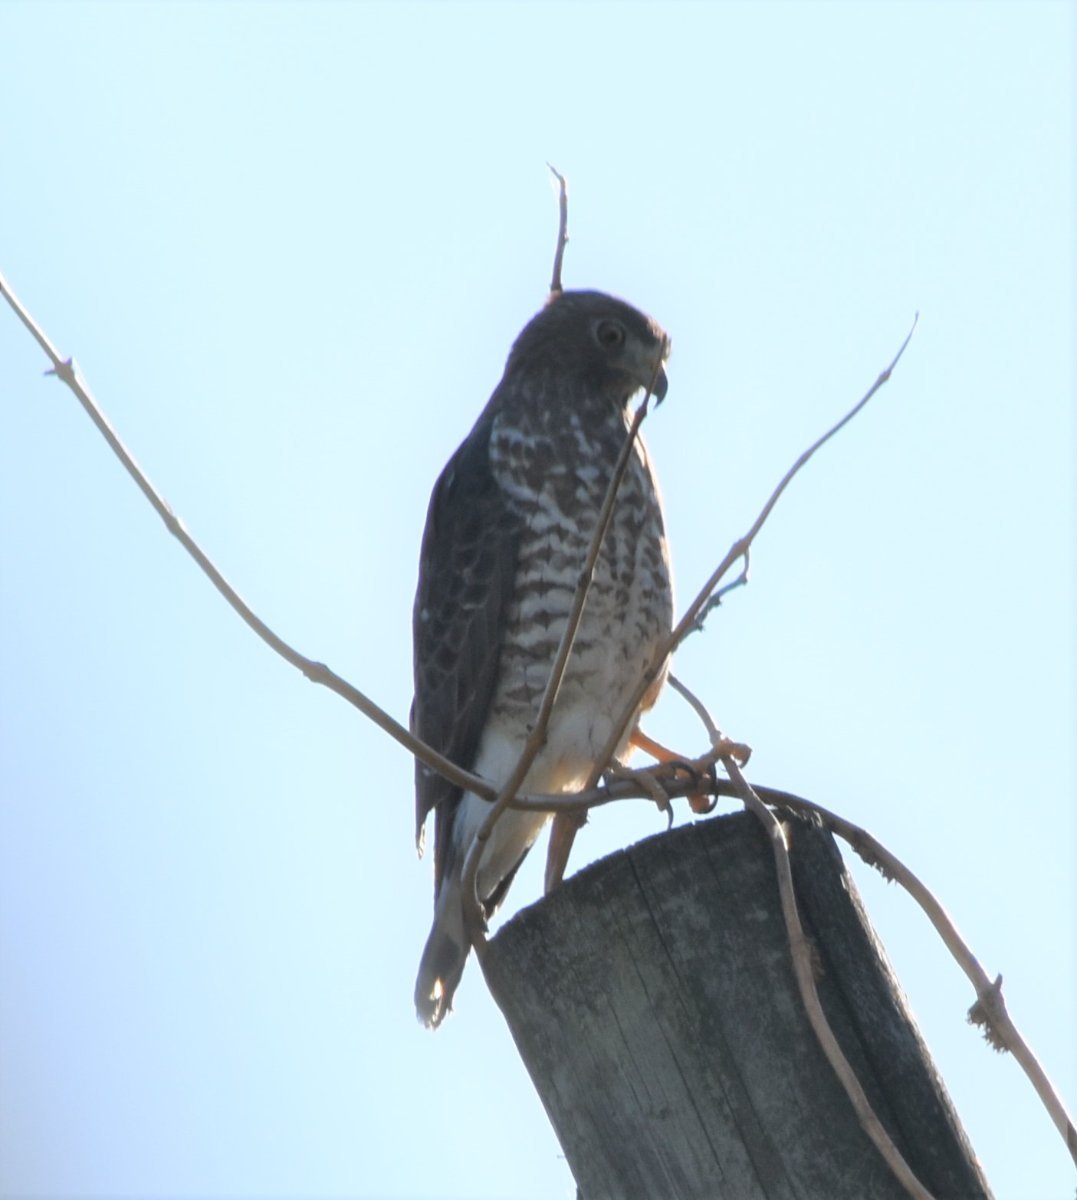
508,529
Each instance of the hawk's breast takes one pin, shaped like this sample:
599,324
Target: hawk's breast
556,477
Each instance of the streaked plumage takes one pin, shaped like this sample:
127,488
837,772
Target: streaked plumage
508,528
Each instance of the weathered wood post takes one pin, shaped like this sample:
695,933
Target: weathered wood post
653,1001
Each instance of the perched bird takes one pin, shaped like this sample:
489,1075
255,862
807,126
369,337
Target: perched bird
508,529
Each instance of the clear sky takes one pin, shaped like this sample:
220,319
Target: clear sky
290,246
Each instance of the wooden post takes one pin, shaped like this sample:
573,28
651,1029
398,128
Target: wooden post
653,1001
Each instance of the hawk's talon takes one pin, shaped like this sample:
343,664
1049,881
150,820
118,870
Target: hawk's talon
702,803
673,765
703,797
647,780
701,800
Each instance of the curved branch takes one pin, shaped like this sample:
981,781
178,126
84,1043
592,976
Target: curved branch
316,672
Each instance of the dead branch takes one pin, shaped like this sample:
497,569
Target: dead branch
556,287
316,672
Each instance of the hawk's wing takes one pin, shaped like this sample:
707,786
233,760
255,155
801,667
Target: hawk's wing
466,571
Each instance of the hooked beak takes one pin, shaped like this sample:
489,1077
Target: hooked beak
647,369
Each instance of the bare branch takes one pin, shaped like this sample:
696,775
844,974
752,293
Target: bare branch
699,708
719,594
556,287
316,672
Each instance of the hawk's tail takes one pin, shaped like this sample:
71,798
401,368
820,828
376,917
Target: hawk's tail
444,956
448,946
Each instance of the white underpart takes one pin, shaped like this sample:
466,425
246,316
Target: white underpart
574,740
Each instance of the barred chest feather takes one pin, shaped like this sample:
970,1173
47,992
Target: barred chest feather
555,473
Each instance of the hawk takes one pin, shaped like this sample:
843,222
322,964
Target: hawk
508,529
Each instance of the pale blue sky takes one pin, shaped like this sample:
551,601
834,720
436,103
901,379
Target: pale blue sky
290,246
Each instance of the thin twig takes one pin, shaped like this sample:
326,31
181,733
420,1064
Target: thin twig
316,672
473,919
719,594
699,708
556,287
739,550
802,968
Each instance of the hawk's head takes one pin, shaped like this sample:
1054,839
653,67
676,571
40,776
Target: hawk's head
608,346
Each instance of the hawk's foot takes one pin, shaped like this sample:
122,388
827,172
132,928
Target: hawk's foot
648,780
700,800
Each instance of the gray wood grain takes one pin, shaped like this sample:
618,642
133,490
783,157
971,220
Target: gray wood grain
653,1001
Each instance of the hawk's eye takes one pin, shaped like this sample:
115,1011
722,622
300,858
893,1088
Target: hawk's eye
610,334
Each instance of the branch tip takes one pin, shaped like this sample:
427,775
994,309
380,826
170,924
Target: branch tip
556,287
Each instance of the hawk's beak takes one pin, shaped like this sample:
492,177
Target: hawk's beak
646,367
653,374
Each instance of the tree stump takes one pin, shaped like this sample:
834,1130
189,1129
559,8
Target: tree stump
653,1001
